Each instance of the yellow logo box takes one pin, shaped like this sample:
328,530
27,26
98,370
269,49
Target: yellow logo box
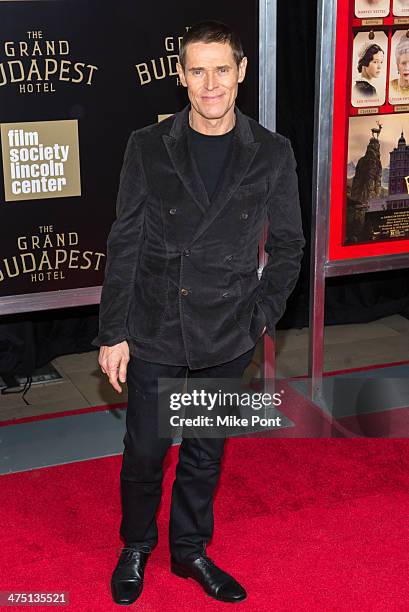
40,160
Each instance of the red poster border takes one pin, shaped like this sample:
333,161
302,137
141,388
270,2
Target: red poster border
341,111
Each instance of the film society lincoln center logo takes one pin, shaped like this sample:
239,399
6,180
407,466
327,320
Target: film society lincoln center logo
40,160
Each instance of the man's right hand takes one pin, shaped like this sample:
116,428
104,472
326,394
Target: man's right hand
114,362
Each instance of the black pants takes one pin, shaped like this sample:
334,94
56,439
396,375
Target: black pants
197,472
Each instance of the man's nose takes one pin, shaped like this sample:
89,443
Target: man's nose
210,80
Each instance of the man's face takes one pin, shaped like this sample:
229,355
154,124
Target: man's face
211,76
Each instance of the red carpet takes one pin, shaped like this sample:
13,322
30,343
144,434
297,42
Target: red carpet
304,524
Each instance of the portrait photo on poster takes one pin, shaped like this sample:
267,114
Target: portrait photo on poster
369,63
371,8
399,68
377,202
400,8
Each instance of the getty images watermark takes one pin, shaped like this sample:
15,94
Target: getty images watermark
211,408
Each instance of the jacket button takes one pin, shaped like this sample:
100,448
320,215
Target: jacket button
184,291
186,252
228,258
172,211
244,215
226,294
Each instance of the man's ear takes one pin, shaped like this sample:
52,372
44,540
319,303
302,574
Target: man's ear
242,69
181,74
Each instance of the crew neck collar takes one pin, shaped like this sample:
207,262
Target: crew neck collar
210,136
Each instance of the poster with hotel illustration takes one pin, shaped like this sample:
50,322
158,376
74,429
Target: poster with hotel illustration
377,198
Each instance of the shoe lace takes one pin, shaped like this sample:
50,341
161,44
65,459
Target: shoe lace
204,554
210,563
208,560
130,551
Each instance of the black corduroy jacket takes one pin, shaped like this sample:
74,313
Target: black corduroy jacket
172,252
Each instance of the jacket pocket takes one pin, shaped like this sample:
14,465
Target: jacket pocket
249,189
252,320
243,318
258,322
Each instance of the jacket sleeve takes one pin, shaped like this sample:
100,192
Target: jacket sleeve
123,244
284,243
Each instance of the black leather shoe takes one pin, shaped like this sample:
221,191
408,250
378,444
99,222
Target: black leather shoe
127,578
216,583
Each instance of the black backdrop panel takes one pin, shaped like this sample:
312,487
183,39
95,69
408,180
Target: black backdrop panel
110,68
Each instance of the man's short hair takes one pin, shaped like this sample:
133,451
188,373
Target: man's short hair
211,31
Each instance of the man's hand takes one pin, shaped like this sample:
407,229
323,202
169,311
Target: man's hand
114,361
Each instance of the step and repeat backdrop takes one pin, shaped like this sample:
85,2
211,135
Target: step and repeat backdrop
76,77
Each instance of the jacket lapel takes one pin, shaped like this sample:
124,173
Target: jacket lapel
243,150
177,145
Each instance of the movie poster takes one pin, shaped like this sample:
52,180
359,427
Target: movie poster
369,194
378,179
76,78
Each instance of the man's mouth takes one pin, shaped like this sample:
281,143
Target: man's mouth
212,97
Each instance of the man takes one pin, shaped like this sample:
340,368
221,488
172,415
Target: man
181,292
